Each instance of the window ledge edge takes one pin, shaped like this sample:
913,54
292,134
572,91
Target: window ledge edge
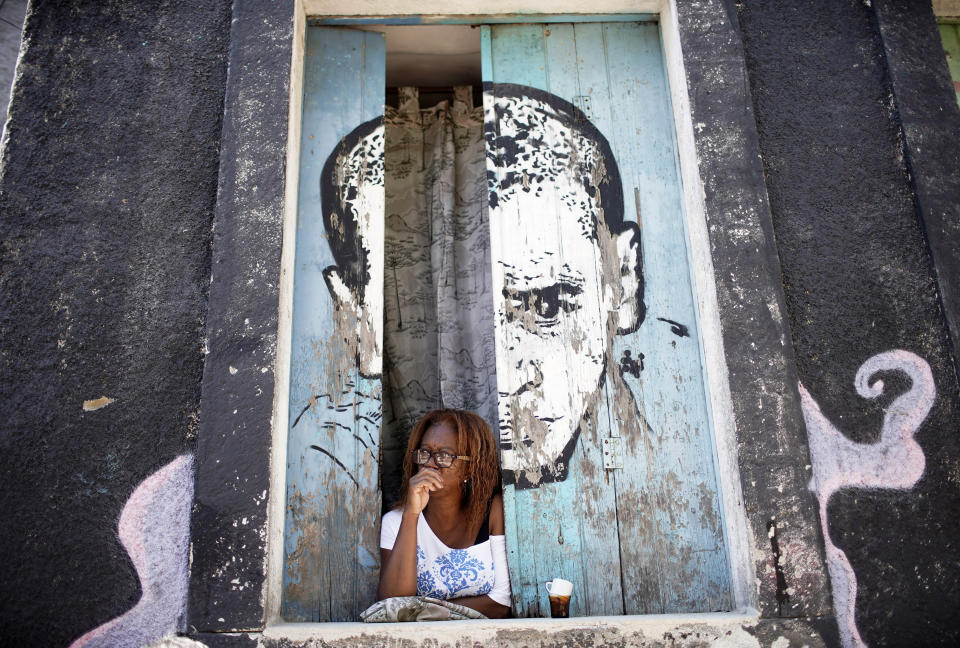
645,624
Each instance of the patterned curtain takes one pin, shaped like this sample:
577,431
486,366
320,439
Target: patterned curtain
438,310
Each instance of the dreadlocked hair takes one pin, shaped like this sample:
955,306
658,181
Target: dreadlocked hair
475,440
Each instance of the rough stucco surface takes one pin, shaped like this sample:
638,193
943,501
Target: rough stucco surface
667,631
106,198
658,632
787,549
858,280
930,120
233,453
226,640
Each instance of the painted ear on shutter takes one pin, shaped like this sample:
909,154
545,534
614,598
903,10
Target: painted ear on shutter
631,309
343,297
352,198
354,319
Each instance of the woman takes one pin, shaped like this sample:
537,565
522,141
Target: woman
444,538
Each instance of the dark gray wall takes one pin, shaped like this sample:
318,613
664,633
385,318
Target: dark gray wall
233,452
859,281
774,468
106,207
107,202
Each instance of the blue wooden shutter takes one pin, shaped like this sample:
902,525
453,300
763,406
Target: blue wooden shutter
331,543
628,510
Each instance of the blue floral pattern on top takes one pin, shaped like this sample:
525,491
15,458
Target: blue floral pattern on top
455,573
426,585
459,570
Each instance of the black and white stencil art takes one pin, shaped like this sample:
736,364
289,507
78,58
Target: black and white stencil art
567,276
564,280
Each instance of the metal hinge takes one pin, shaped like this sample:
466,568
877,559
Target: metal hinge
613,453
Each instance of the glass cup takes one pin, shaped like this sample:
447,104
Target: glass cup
560,591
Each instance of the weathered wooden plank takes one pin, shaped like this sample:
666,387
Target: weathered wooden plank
560,58
677,476
641,544
333,501
566,526
595,502
638,546
523,587
538,528
368,403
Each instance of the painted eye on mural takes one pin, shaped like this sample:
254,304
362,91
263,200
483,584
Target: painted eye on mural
546,303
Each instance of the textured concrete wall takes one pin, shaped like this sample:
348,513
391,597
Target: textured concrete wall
113,179
234,449
785,546
859,282
107,198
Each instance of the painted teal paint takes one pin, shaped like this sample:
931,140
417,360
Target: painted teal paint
552,531
486,53
481,19
672,393
331,553
656,524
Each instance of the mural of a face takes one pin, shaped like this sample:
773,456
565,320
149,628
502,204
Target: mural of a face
352,195
570,272
570,278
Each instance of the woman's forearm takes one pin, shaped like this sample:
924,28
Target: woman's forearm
398,569
485,605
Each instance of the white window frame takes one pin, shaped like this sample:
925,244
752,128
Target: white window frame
737,533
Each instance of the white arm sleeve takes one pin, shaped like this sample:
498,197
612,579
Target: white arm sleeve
501,577
389,528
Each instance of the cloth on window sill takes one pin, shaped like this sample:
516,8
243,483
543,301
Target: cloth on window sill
417,608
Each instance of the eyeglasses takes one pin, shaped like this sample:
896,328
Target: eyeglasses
443,459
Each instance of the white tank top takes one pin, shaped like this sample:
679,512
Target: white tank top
446,573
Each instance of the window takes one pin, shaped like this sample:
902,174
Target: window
607,449
950,35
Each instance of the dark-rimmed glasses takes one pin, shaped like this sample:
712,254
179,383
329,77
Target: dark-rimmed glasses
443,459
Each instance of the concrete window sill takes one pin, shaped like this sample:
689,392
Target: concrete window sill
709,627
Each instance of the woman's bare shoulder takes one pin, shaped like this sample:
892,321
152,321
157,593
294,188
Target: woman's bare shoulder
496,515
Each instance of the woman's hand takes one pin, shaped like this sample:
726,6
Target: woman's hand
419,488
398,566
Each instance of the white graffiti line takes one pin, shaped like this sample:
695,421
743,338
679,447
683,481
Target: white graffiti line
896,461
154,528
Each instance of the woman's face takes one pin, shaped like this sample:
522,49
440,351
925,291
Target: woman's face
442,436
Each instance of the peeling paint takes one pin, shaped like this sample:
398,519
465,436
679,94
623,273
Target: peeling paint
97,403
561,239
